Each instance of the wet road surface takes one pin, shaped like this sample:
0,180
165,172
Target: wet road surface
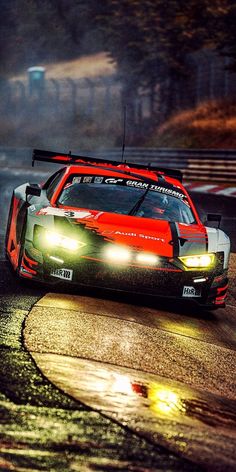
191,416
119,334
43,429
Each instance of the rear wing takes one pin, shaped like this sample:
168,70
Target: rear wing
72,159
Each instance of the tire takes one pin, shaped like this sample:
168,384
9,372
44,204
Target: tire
8,225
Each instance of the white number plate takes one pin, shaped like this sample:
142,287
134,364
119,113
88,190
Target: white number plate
65,274
191,292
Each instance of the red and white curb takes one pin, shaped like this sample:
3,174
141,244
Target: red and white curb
211,188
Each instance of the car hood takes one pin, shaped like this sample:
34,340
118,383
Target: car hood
157,236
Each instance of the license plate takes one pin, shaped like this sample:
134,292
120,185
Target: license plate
189,291
65,274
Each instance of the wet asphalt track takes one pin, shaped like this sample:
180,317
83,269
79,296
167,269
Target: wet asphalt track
163,378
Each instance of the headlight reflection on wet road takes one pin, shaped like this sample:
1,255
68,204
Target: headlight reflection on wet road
164,411
164,401
116,384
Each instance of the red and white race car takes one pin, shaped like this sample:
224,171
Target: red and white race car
117,225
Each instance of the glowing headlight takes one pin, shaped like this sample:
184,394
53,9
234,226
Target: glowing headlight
198,262
145,258
55,239
117,254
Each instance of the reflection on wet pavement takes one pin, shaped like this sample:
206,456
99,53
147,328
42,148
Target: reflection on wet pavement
116,358
118,340
202,427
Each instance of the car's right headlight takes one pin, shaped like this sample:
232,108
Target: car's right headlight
202,261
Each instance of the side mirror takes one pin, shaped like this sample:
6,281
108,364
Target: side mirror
33,190
214,217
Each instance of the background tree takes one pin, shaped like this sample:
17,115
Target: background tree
226,32
150,41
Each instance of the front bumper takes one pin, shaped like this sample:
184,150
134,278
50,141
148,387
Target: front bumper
206,288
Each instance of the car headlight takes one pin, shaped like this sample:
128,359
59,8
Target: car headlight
54,239
146,258
203,261
117,254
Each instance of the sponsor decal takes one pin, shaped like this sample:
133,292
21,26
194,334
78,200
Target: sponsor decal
153,238
98,180
191,292
66,213
65,274
156,188
113,181
133,235
88,179
138,184
124,233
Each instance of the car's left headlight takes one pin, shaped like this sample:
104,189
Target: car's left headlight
53,239
202,261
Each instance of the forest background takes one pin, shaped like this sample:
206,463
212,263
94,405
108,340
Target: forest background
149,44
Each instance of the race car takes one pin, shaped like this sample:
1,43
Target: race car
116,225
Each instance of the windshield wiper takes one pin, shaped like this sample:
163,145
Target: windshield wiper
139,202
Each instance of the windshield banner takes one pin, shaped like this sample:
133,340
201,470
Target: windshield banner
91,179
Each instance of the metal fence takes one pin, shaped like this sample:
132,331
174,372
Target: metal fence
196,164
54,95
209,78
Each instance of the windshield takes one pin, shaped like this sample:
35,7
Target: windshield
124,195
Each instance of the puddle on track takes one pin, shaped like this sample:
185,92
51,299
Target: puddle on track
201,427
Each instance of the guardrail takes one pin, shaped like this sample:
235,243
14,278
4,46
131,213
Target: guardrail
196,164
